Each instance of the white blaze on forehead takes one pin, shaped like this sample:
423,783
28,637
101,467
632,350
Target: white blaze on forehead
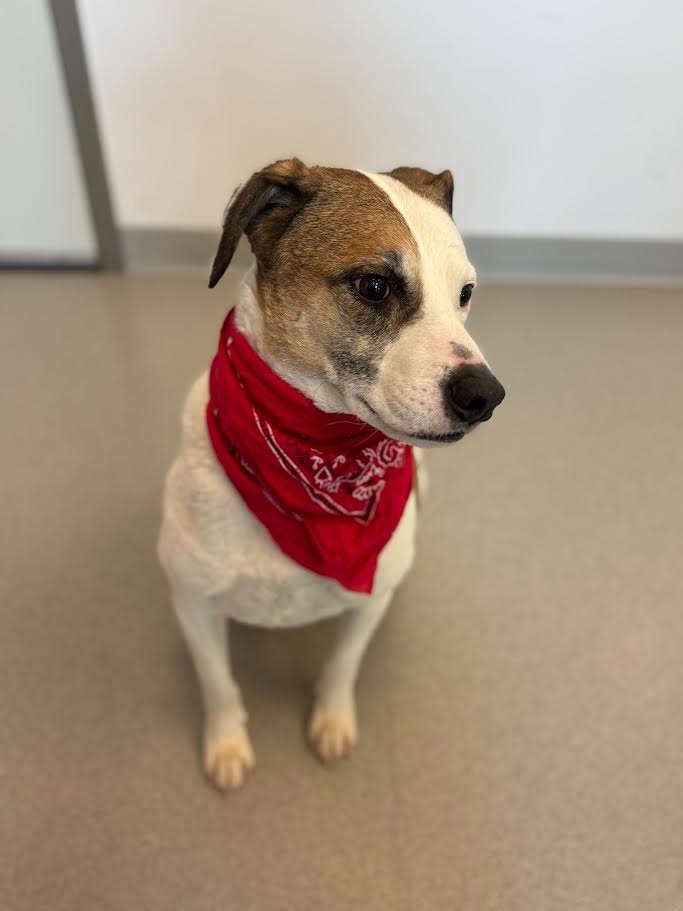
408,393
444,266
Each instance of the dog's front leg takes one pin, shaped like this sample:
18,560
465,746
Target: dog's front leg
228,756
333,730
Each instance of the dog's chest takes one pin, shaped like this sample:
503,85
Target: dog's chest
262,586
217,546
291,602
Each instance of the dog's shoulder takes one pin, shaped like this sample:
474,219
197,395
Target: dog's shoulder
194,434
202,511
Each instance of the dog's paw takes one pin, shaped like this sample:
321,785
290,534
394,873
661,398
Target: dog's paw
333,734
228,760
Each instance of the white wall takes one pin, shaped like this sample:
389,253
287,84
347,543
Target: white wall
557,118
44,212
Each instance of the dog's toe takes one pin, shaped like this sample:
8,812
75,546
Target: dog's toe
332,734
228,761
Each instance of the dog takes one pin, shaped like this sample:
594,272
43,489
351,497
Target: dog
294,494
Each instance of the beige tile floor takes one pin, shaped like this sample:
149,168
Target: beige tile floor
521,708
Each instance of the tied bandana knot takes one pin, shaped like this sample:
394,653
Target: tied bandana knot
329,488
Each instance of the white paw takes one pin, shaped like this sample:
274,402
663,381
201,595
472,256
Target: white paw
228,760
333,734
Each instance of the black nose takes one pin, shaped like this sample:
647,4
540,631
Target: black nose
471,392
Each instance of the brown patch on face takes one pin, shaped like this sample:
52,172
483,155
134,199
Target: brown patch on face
313,230
437,188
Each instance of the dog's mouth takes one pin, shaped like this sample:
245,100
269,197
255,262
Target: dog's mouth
412,437
441,437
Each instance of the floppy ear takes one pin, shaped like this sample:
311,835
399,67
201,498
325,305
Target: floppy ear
436,187
262,209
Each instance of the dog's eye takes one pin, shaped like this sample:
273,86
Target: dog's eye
465,295
372,288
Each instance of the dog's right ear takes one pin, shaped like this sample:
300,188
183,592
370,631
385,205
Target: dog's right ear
262,209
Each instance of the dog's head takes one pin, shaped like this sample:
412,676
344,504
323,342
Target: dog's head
363,281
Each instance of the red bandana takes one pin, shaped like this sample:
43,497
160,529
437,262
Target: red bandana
330,491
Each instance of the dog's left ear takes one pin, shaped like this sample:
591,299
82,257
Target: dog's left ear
436,187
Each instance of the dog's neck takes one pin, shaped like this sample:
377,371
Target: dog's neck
249,320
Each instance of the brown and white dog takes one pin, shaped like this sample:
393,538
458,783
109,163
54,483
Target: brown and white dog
358,299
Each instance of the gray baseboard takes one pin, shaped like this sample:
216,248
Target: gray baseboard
168,249
574,260
498,259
